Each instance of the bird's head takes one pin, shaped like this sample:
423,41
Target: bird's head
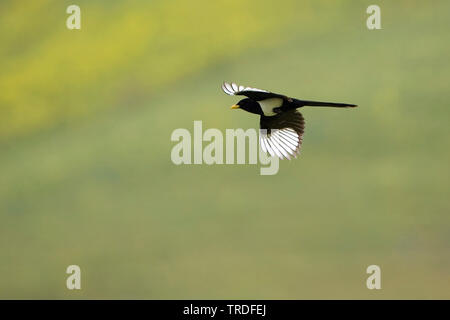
248,105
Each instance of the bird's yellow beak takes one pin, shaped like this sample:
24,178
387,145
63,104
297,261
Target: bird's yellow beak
235,106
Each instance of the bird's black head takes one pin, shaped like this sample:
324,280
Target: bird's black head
248,105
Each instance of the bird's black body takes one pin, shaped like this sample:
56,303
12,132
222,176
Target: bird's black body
282,126
253,106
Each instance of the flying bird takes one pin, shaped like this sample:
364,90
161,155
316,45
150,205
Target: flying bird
281,124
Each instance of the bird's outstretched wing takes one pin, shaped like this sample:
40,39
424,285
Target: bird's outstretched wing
233,89
282,135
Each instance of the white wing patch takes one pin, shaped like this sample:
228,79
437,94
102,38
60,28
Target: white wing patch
233,89
283,143
267,105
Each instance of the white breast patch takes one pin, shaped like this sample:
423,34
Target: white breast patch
268,105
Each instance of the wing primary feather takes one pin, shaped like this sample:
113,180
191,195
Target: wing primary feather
269,148
281,146
274,147
289,144
261,143
288,147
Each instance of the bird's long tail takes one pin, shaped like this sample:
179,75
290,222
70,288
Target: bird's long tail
302,103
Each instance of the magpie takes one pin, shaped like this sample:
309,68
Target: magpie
281,124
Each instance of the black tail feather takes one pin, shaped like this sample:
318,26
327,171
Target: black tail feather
302,103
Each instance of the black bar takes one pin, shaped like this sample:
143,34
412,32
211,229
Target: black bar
229,309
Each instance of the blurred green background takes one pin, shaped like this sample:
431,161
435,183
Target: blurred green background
86,176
